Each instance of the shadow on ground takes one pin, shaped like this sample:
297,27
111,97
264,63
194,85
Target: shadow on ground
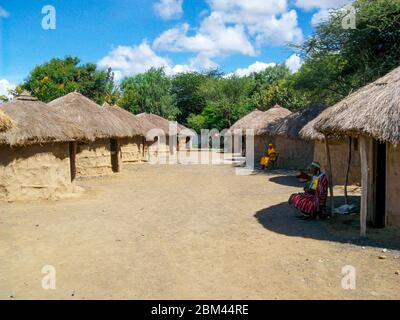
282,219
286,180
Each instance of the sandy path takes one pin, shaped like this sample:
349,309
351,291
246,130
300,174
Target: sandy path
183,232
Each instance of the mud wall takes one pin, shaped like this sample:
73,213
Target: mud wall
294,153
35,172
94,158
393,185
131,149
339,158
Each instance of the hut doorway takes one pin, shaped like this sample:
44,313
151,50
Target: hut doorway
114,155
379,219
243,146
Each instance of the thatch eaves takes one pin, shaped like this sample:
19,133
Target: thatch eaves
131,121
373,110
290,126
34,122
96,121
259,121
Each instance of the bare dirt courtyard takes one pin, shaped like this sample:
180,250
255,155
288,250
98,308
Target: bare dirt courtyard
188,232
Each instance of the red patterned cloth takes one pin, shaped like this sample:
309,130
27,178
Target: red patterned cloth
312,203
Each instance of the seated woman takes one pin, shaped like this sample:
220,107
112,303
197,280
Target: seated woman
313,200
271,157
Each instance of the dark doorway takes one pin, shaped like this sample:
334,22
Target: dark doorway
380,185
114,148
72,159
243,146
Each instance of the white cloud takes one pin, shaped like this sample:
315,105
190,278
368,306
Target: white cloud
321,4
129,61
294,63
5,86
3,13
255,67
126,61
269,22
169,9
213,38
277,31
235,27
323,7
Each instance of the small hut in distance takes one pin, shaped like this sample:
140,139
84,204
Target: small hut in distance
35,152
258,121
294,151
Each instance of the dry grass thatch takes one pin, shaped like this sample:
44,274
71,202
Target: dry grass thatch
5,122
259,121
35,122
373,110
95,121
309,132
290,126
130,120
157,122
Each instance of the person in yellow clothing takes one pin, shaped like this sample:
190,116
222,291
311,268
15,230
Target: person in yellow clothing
272,156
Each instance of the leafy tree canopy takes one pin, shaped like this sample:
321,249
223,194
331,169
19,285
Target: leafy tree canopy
62,76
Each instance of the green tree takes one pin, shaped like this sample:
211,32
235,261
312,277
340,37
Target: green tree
187,89
61,76
149,92
339,60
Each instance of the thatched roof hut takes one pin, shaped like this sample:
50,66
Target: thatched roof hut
5,122
259,121
35,122
130,120
290,126
97,122
373,110
372,115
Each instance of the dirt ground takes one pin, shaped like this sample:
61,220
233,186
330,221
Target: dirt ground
189,232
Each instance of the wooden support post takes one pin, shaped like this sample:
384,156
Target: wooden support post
72,159
346,197
330,175
365,183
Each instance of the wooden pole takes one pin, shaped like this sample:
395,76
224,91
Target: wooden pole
330,175
346,197
72,159
365,181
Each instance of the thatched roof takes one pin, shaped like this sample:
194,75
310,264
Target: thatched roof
97,122
373,110
291,125
310,133
259,121
128,118
35,122
5,122
158,122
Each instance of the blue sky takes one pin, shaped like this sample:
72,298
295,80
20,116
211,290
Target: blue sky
134,35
